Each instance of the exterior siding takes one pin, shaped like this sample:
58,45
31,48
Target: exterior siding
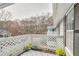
59,10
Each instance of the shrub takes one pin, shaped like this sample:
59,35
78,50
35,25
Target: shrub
60,52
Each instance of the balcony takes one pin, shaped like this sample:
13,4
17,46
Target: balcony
17,31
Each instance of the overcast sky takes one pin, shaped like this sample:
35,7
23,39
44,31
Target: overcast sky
23,10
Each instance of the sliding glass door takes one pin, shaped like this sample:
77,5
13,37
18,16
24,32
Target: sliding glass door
70,30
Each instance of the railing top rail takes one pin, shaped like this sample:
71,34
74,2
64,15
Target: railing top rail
33,35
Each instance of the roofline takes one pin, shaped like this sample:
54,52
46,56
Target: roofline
3,5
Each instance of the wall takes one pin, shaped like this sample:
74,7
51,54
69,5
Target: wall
76,41
59,10
62,29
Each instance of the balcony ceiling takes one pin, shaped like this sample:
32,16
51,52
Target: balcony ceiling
3,5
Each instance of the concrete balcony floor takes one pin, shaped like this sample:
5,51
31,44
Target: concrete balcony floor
36,53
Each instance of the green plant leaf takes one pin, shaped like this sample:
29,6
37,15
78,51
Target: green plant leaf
60,52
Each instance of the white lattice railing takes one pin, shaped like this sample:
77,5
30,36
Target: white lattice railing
15,45
49,41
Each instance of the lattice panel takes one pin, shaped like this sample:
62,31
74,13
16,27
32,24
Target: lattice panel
52,42
15,45
60,42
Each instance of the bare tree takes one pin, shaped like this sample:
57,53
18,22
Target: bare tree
5,15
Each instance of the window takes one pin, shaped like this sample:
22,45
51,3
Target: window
70,20
69,30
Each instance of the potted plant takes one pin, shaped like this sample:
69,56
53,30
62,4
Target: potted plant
29,46
60,52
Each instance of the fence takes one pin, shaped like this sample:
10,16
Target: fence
15,45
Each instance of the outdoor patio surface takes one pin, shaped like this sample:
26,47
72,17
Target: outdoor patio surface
36,53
